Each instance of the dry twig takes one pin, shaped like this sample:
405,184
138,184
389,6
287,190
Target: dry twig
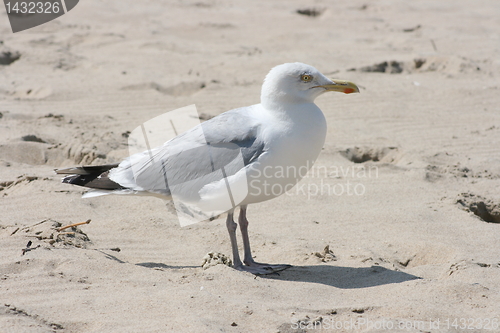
72,225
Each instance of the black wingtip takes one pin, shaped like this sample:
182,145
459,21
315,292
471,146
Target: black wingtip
86,170
90,176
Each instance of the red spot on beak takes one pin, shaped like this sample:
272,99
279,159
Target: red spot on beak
348,90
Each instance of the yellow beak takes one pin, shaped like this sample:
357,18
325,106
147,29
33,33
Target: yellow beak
341,86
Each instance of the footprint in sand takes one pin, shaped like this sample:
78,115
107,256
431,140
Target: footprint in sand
447,65
487,210
365,154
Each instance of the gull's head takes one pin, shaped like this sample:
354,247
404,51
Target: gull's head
299,83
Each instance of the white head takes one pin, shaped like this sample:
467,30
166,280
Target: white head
299,83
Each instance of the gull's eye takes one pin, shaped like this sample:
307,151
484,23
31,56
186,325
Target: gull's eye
306,78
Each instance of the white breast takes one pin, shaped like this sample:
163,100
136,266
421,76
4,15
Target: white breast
295,139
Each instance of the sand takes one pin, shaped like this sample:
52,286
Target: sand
405,193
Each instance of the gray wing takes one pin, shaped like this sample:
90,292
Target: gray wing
211,151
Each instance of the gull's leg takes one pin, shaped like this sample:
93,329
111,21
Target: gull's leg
237,264
242,219
247,259
231,228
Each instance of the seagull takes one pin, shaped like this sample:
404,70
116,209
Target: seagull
264,149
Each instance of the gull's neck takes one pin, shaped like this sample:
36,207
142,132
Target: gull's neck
276,100
296,114
282,103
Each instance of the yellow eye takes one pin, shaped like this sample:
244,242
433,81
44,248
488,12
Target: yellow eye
306,77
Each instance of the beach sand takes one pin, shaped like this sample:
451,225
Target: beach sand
404,194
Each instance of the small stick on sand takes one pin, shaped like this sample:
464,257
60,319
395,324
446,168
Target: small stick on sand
13,232
29,248
434,45
30,226
73,225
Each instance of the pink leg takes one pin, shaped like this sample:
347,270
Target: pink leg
248,259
